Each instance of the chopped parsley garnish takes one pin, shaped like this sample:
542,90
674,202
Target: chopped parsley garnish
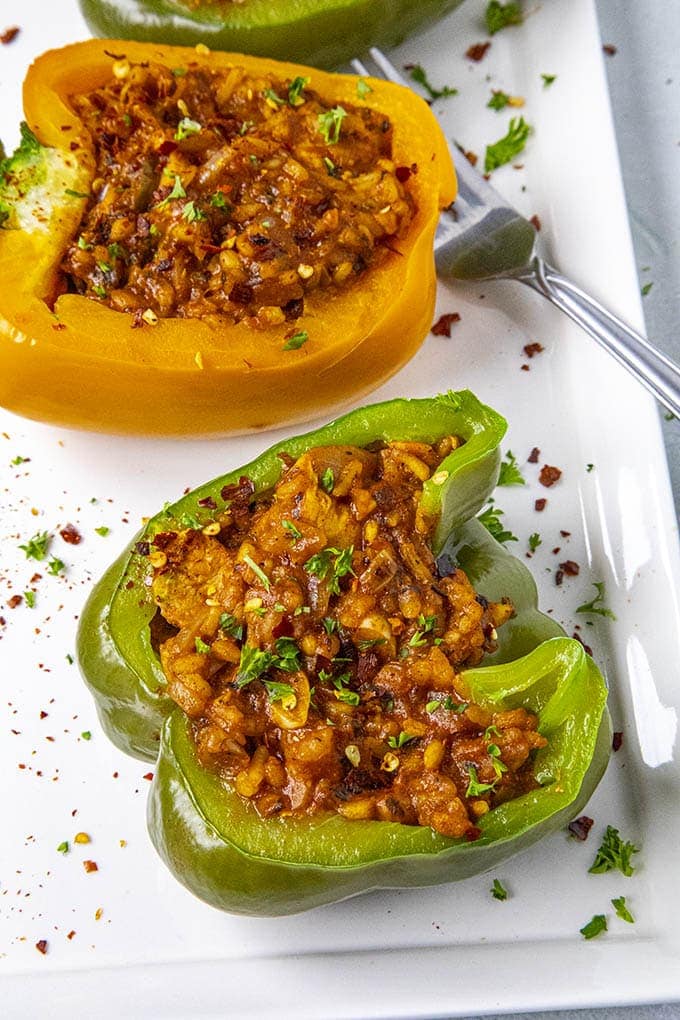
589,467
86,735
280,692
331,168
595,605
646,289
498,891
510,474
102,530
104,266
295,88
294,532
186,128
398,742
367,643
218,201
419,76
16,461
327,480
177,192
500,15
425,624
201,646
272,98
490,517
432,706
595,927
83,245
69,658
506,148
534,541
116,251
614,854
29,596
363,88
287,655
329,624
36,547
179,72
475,788
77,194
320,563
548,79
349,697
254,662
294,342
99,290
258,571
495,755
622,911
330,124
63,848
191,213
499,100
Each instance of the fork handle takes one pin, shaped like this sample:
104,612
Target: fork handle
654,370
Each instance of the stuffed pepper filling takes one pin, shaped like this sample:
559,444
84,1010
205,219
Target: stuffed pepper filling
223,193
315,642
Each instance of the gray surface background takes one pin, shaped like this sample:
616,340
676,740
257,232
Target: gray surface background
644,84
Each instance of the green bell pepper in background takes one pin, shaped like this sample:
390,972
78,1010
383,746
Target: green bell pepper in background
324,33
212,840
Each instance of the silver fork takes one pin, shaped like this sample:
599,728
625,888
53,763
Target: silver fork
483,237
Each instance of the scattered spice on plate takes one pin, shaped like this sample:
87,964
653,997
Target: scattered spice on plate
580,827
570,568
617,740
596,926
71,535
536,224
9,35
580,640
532,349
42,946
549,475
534,455
609,49
614,854
540,505
498,890
477,51
442,327
90,866
418,75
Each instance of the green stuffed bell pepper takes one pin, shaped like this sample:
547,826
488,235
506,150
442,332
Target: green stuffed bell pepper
533,712
324,33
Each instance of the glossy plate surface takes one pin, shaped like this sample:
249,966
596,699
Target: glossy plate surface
154,951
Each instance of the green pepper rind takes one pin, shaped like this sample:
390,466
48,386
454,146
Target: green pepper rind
324,34
114,651
217,846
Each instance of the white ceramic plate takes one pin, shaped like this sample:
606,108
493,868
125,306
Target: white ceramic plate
154,951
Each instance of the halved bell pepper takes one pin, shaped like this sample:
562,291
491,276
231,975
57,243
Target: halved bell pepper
325,33
72,361
213,841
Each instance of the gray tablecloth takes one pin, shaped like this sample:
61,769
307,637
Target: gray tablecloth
644,82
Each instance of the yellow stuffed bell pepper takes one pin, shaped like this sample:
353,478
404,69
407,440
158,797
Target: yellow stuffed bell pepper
126,139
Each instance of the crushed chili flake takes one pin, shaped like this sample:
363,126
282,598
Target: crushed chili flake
41,946
71,535
556,550
535,222
559,577
549,475
617,740
471,157
43,715
570,567
477,51
70,935
90,866
531,349
540,505
15,601
534,455
9,35
148,775
580,640
525,368
609,49
442,327
580,827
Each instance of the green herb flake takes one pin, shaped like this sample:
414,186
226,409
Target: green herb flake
499,16
366,643
253,663
218,201
287,655
186,128
116,251
646,289
320,563
69,658
102,530
327,480
669,416
348,697
272,98
331,168
176,192
55,566
103,266
99,290
589,467
548,79
534,541
506,148
363,88
622,911
595,927
330,124
419,75
295,89
246,126
16,461
302,609
475,788
191,213
201,646
614,854
398,742
29,596
294,342
499,767
329,625
432,706
83,244
258,571
36,547
63,848
77,194
499,100
86,735
455,706
491,519
294,532
425,624
179,72
498,890
595,605
510,474
280,692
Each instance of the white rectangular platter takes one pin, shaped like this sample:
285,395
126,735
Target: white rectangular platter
127,940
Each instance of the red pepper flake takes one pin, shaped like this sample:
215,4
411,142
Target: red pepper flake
71,535
533,456
166,147
70,935
41,946
535,222
15,601
442,327
471,157
580,640
525,368
540,505
148,775
556,550
570,567
473,834
580,827
559,577
43,715
617,740
549,475
402,173
208,502
58,325
531,349
478,51
9,35
565,534
609,49
90,866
